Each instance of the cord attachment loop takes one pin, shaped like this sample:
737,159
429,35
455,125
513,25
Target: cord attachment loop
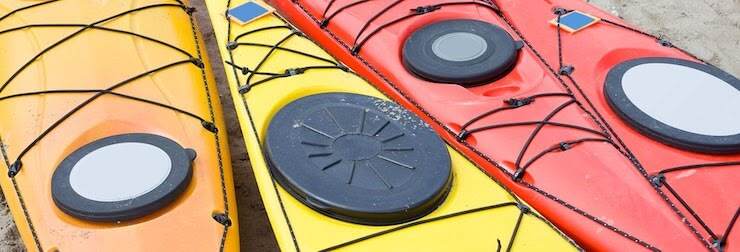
657,180
564,146
209,126
524,208
515,103
244,89
223,219
15,168
664,42
294,71
190,10
559,11
425,9
463,135
518,174
566,70
197,62
231,45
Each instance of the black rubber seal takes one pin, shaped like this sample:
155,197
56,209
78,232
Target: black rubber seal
358,158
498,60
78,206
655,129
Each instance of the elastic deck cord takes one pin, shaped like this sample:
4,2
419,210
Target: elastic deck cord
15,167
524,210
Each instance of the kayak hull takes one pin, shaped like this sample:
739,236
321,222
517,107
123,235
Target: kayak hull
93,60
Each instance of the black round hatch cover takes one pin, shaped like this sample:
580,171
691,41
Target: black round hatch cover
682,103
460,51
121,177
358,158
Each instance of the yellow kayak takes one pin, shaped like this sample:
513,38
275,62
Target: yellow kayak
340,167
109,128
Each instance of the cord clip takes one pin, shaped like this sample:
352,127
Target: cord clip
198,63
190,10
567,70
223,219
209,126
518,174
425,9
564,146
719,244
664,42
355,50
231,45
244,89
324,23
559,11
524,208
294,71
15,168
657,180
463,135
515,103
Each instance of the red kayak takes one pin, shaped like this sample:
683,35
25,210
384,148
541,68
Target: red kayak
620,139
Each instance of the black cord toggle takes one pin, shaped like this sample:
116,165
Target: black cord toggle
463,135
524,208
190,10
223,219
518,174
294,71
719,244
355,50
15,168
664,42
197,62
564,146
209,126
232,45
324,23
244,89
559,11
657,180
567,70
296,32
425,9
515,103
244,70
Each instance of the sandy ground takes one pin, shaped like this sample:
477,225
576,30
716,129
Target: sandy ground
708,28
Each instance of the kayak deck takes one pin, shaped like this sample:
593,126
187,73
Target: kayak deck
75,75
481,214
531,129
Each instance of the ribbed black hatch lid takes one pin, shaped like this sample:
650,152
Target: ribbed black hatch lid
358,158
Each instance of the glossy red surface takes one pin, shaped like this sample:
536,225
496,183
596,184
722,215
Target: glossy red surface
595,191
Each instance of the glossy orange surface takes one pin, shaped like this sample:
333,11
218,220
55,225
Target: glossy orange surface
96,59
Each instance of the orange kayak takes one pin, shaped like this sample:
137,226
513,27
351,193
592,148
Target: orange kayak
111,133
591,144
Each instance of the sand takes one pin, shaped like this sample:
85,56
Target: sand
708,28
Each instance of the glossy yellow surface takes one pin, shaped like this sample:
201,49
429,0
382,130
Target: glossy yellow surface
296,225
98,59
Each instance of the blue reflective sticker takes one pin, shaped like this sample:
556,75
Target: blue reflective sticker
248,11
576,20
